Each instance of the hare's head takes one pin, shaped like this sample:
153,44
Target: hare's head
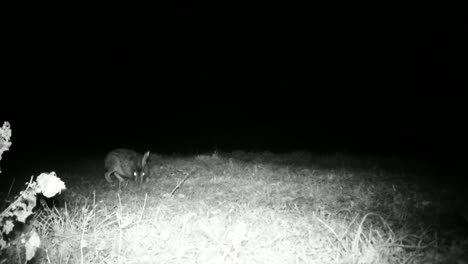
141,173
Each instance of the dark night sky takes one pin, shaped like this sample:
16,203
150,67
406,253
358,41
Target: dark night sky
338,80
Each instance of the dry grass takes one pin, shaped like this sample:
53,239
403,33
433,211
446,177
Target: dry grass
253,208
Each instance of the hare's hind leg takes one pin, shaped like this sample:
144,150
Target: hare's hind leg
107,175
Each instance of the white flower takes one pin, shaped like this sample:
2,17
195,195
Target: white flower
49,184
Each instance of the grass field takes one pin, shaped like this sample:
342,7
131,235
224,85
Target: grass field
244,207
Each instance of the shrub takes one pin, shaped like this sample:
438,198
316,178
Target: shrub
47,184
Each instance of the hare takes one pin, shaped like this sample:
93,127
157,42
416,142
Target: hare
126,163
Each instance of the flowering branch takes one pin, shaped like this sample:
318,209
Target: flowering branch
5,135
47,184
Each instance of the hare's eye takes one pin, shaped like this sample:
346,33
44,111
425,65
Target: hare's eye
142,174
135,174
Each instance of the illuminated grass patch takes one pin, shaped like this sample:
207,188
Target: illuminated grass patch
252,208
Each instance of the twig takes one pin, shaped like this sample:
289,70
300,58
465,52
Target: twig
11,186
143,209
180,183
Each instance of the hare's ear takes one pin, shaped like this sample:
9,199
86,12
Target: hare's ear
145,158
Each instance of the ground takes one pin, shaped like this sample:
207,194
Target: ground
245,207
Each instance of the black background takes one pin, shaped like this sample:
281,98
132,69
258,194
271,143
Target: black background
357,79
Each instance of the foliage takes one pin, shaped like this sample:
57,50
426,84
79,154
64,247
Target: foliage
22,207
5,135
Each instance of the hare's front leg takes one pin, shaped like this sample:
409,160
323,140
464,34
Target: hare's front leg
119,177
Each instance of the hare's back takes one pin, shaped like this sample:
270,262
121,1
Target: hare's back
119,157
